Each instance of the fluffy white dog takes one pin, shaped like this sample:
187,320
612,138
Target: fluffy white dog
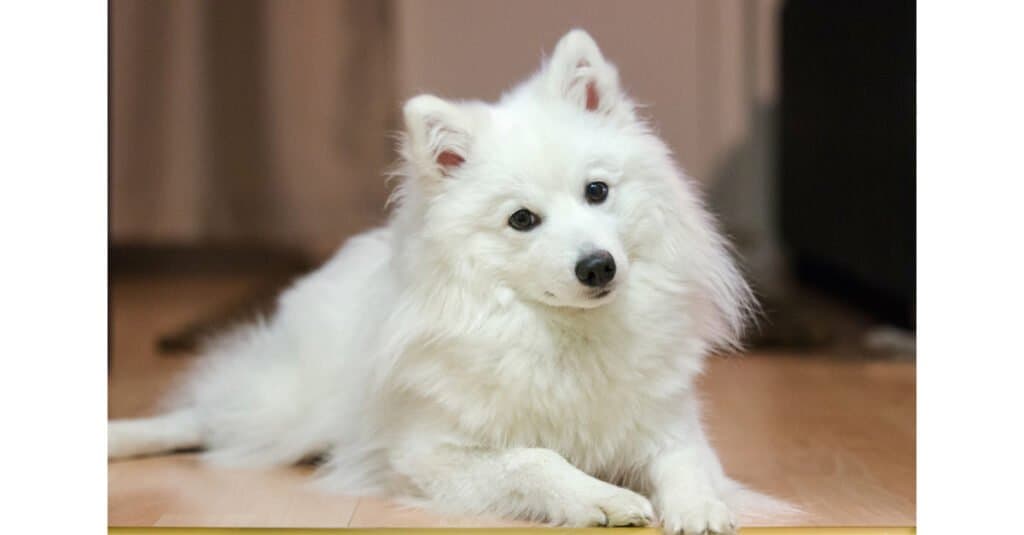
521,339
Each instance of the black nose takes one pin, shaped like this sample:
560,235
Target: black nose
596,268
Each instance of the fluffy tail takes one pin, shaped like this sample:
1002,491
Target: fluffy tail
756,508
152,436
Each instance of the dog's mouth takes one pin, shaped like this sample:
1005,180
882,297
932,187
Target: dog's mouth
601,293
597,297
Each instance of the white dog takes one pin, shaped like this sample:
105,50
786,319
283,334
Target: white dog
521,339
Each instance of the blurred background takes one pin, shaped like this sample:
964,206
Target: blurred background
249,139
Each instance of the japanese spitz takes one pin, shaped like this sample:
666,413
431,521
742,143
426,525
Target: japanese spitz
521,339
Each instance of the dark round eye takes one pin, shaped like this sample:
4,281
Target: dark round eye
596,192
523,220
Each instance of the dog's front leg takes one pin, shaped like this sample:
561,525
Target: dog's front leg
686,480
531,483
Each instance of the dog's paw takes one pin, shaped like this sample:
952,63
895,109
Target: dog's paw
697,516
610,506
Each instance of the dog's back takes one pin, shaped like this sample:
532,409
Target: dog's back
277,391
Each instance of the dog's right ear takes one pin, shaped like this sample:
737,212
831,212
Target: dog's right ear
439,134
579,73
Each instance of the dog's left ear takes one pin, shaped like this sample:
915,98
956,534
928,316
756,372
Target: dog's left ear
578,72
439,134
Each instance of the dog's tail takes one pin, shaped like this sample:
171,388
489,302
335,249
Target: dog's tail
166,433
756,508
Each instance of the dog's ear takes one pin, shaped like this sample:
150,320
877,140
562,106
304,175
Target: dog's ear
439,134
577,71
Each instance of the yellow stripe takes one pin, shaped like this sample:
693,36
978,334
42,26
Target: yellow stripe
501,531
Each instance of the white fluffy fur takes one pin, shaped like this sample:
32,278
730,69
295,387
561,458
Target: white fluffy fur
452,361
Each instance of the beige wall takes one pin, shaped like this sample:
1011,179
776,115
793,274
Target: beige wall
699,65
269,120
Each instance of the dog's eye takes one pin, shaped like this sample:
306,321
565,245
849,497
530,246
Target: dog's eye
596,192
523,220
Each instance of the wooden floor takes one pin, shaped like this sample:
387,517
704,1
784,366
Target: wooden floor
834,437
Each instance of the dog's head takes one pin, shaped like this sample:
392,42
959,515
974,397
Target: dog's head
553,193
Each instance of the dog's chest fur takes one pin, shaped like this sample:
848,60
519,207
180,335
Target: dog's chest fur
594,387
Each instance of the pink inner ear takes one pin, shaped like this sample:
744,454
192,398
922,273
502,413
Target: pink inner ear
449,159
592,100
